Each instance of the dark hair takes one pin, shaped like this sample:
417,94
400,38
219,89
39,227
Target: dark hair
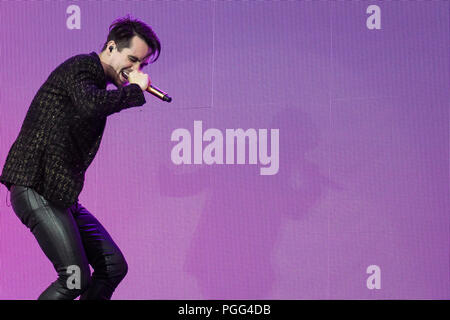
122,30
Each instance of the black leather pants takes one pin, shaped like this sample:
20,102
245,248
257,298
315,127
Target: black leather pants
71,237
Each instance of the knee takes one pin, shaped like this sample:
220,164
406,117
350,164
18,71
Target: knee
117,268
112,269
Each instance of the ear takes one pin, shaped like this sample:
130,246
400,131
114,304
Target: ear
110,44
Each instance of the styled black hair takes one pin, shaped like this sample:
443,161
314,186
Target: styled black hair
122,30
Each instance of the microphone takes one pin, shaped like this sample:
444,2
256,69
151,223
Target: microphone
154,90
158,93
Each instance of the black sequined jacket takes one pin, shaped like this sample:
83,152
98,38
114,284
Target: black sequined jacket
63,127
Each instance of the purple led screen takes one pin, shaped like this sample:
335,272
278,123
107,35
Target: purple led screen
354,102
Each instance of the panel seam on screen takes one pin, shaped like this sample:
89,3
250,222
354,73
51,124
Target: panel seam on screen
329,140
213,43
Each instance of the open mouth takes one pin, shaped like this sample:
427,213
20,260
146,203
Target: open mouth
124,75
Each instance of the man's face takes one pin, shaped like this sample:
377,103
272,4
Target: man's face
133,58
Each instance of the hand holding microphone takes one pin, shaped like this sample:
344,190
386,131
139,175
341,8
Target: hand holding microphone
139,78
143,81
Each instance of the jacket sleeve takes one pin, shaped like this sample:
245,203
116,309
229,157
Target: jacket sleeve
92,101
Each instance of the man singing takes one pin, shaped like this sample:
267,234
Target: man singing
58,140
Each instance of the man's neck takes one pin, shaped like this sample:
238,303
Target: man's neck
105,66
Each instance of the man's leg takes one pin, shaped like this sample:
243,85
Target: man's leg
57,234
103,254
